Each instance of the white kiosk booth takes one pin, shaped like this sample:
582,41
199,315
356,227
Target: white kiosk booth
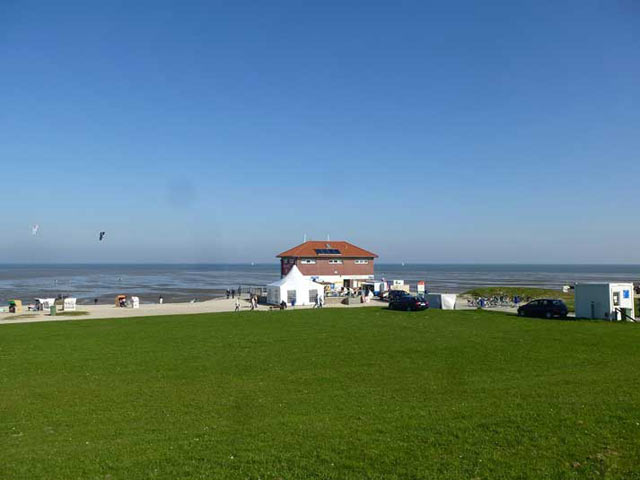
606,301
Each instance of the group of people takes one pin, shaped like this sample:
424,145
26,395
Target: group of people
319,303
350,292
232,293
253,301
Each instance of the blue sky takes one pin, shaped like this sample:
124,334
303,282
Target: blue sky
454,131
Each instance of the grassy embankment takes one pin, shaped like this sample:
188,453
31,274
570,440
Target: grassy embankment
525,293
340,394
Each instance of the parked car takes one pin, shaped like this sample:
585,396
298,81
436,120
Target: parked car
544,307
390,295
407,302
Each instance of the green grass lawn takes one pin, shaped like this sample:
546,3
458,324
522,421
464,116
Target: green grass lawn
336,394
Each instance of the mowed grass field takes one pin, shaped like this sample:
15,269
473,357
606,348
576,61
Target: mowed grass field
335,394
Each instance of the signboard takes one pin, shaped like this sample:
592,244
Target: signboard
421,286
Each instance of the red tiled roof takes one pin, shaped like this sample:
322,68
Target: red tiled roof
308,249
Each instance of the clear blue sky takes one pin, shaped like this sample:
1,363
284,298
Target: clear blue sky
453,131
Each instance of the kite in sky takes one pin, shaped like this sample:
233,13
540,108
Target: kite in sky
101,235
34,229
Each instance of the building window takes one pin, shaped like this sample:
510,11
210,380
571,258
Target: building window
308,261
335,262
361,262
291,296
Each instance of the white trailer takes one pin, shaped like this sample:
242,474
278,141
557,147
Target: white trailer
606,301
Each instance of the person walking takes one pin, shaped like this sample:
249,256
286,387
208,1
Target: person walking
233,293
237,305
160,300
228,294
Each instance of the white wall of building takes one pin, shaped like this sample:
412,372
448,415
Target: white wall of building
601,300
339,279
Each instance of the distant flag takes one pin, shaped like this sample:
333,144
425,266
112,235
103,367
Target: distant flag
101,235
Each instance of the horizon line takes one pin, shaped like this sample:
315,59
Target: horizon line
278,263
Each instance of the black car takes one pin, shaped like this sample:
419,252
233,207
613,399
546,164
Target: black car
393,294
407,302
544,307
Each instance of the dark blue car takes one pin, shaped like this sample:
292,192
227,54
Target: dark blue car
544,308
408,303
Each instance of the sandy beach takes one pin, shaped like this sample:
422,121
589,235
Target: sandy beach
146,310
92,312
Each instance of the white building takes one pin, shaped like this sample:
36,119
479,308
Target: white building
607,301
337,263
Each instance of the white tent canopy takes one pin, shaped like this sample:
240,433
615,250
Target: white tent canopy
294,286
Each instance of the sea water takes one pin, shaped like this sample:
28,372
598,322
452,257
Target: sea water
202,282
